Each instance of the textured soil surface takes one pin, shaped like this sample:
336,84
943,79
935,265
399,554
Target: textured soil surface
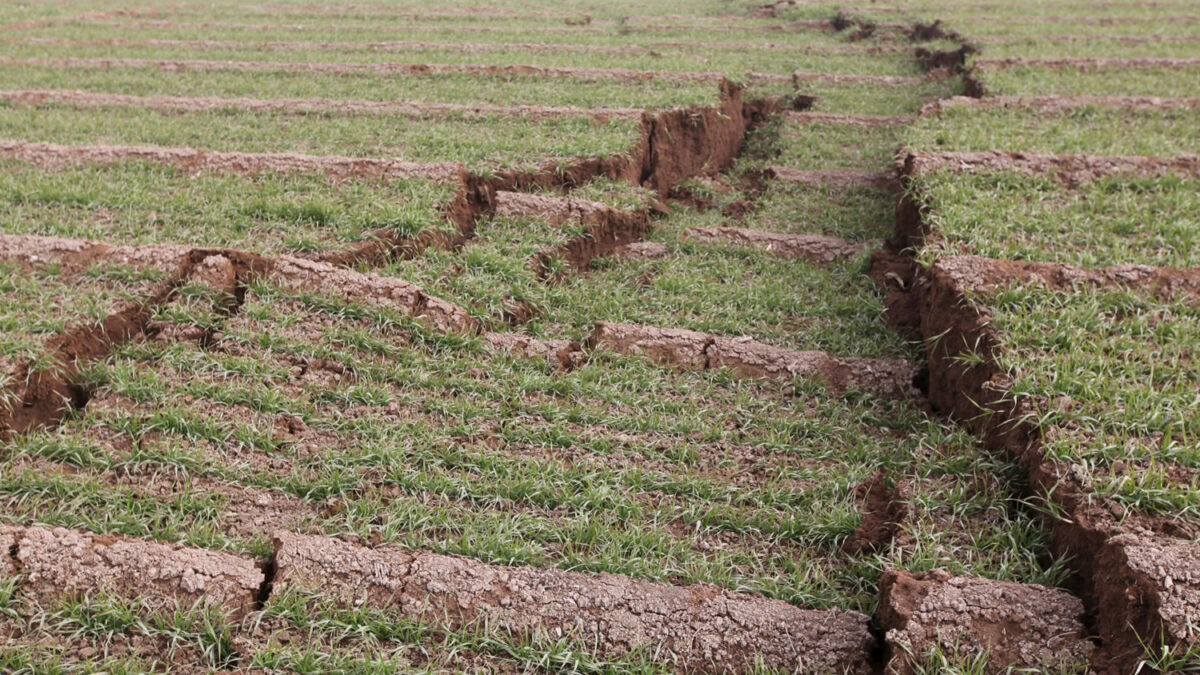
1016,625
587,413
705,628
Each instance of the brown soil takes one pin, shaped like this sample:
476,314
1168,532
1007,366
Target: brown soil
815,248
52,155
983,276
833,178
1070,170
308,106
61,561
563,354
748,358
1118,593
864,121
316,277
1154,590
1089,63
701,628
1017,625
884,512
954,60
1059,104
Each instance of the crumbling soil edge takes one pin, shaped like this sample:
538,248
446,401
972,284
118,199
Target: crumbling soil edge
975,393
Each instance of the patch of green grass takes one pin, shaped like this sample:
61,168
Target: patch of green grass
474,140
1108,222
42,302
725,289
687,53
1088,130
434,88
853,213
135,203
1113,381
869,98
1094,47
821,146
1037,81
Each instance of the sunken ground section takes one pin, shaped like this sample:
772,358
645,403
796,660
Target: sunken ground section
561,337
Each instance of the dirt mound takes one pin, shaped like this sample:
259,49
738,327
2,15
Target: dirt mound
57,561
700,628
815,248
1017,625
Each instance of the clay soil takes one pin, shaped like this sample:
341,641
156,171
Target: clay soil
252,462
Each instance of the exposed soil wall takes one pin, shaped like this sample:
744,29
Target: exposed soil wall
1129,604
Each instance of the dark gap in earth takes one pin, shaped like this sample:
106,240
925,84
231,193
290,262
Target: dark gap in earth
269,568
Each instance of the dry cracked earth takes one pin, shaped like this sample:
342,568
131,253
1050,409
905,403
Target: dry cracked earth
821,337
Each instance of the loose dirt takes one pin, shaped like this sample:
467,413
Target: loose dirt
563,354
863,121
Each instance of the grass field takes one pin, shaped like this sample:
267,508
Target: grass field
585,337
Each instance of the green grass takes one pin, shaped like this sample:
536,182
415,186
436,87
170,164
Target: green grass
1088,130
38,304
854,213
1036,81
727,290
698,58
1095,47
135,203
476,141
435,88
1143,24
1108,222
877,99
1112,380
617,466
821,146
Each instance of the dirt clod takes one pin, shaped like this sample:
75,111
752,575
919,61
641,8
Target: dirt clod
1017,625
57,561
